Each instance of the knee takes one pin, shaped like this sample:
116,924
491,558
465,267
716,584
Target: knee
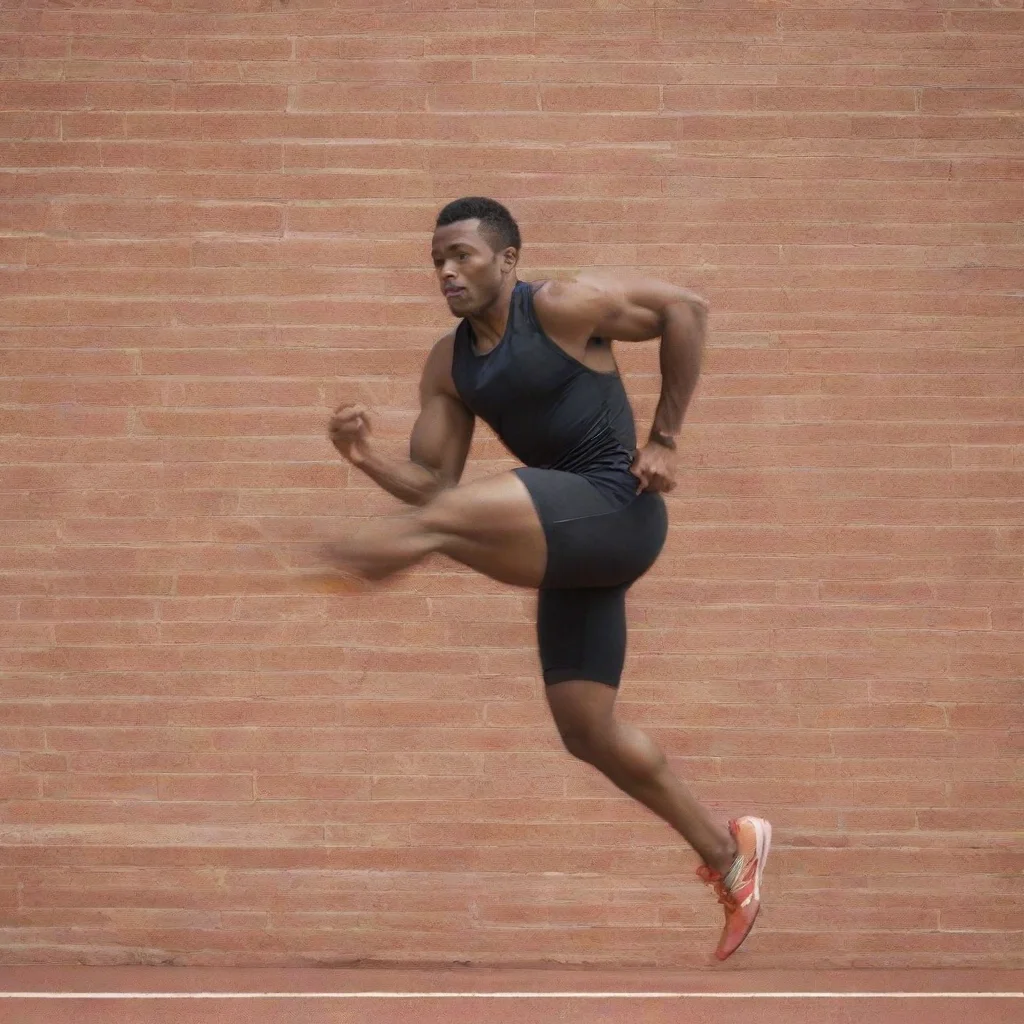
585,739
446,514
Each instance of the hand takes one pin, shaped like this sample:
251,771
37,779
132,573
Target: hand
655,468
349,431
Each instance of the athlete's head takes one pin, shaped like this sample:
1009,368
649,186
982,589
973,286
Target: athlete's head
475,248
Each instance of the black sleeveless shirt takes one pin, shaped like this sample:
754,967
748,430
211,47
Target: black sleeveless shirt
549,409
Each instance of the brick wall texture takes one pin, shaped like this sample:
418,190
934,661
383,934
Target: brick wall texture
215,226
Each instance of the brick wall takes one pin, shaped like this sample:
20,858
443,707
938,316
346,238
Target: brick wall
215,226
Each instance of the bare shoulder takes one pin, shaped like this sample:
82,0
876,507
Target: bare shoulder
570,309
592,296
602,289
443,347
437,370
613,304
583,297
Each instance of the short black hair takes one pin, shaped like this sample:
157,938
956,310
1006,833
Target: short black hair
496,223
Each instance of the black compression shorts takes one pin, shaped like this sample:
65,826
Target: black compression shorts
599,543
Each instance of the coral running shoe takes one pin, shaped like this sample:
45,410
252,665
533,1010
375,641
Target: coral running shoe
739,891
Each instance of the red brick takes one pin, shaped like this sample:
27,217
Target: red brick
355,47
686,24
23,216
395,71
232,71
27,44
596,98
93,125
212,156
968,820
29,69
238,49
230,97
873,21
358,97
124,70
100,253
486,97
986,21
186,788
853,99
120,47
615,24
958,101
169,218
20,787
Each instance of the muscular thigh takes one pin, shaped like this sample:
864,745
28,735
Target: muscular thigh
492,526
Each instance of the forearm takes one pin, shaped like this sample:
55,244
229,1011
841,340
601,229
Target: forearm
681,355
406,480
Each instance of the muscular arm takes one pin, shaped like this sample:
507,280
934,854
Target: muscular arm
633,308
683,334
439,443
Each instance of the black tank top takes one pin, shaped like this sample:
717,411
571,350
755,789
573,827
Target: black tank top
549,410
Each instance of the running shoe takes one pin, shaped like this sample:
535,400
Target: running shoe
739,890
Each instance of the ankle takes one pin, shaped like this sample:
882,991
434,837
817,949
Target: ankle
725,858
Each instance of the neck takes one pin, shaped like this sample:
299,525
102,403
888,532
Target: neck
490,323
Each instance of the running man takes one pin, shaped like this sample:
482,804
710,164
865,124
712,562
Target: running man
581,521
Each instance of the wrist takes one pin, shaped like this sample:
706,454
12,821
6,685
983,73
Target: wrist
662,439
359,455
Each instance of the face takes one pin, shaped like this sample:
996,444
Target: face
468,270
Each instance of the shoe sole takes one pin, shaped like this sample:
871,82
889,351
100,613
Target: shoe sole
764,844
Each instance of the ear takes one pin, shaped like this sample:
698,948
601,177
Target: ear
509,259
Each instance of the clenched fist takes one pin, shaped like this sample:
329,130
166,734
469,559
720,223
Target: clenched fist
349,431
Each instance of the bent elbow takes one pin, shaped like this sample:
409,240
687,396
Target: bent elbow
695,301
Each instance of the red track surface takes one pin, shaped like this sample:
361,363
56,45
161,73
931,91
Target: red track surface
566,1010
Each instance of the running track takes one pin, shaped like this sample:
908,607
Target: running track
154,995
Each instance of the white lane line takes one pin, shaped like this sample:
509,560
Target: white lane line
511,995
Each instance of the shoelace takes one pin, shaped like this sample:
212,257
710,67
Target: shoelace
715,880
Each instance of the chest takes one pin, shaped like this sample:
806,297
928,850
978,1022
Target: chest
522,371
